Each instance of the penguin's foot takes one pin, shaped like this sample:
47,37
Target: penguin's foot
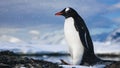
64,62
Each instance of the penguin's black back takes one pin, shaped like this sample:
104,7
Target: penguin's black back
82,30
88,57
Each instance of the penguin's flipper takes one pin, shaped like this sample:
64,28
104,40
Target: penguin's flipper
83,39
82,34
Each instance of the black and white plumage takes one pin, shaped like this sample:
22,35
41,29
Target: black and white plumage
78,38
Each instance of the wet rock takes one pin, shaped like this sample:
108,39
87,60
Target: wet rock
9,59
4,65
114,65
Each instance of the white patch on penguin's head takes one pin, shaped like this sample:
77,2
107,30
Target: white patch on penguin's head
67,9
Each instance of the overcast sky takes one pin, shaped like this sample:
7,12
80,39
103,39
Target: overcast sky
33,13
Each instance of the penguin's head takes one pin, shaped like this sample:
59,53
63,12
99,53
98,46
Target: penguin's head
67,12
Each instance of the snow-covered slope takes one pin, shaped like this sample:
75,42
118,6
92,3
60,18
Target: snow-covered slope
99,47
35,36
52,40
114,37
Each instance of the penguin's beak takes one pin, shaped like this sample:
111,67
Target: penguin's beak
58,13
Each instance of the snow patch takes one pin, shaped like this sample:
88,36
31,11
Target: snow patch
114,37
80,66
34,32
4,38
106,47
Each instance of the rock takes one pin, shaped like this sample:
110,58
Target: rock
4,65
9,59
114,65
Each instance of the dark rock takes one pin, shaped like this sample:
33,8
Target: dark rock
7,52
4,65
9,59
114,65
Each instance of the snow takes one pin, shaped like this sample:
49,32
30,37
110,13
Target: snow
35,41
99,47
11,39
106,48
32,48
114,37
78,66
74,66
34,32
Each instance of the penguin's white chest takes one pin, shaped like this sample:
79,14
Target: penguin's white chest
72,37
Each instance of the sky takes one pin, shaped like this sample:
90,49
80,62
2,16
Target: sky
101,16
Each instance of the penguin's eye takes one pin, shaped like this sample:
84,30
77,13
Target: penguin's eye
67,9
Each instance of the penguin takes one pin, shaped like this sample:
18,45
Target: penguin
78,38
